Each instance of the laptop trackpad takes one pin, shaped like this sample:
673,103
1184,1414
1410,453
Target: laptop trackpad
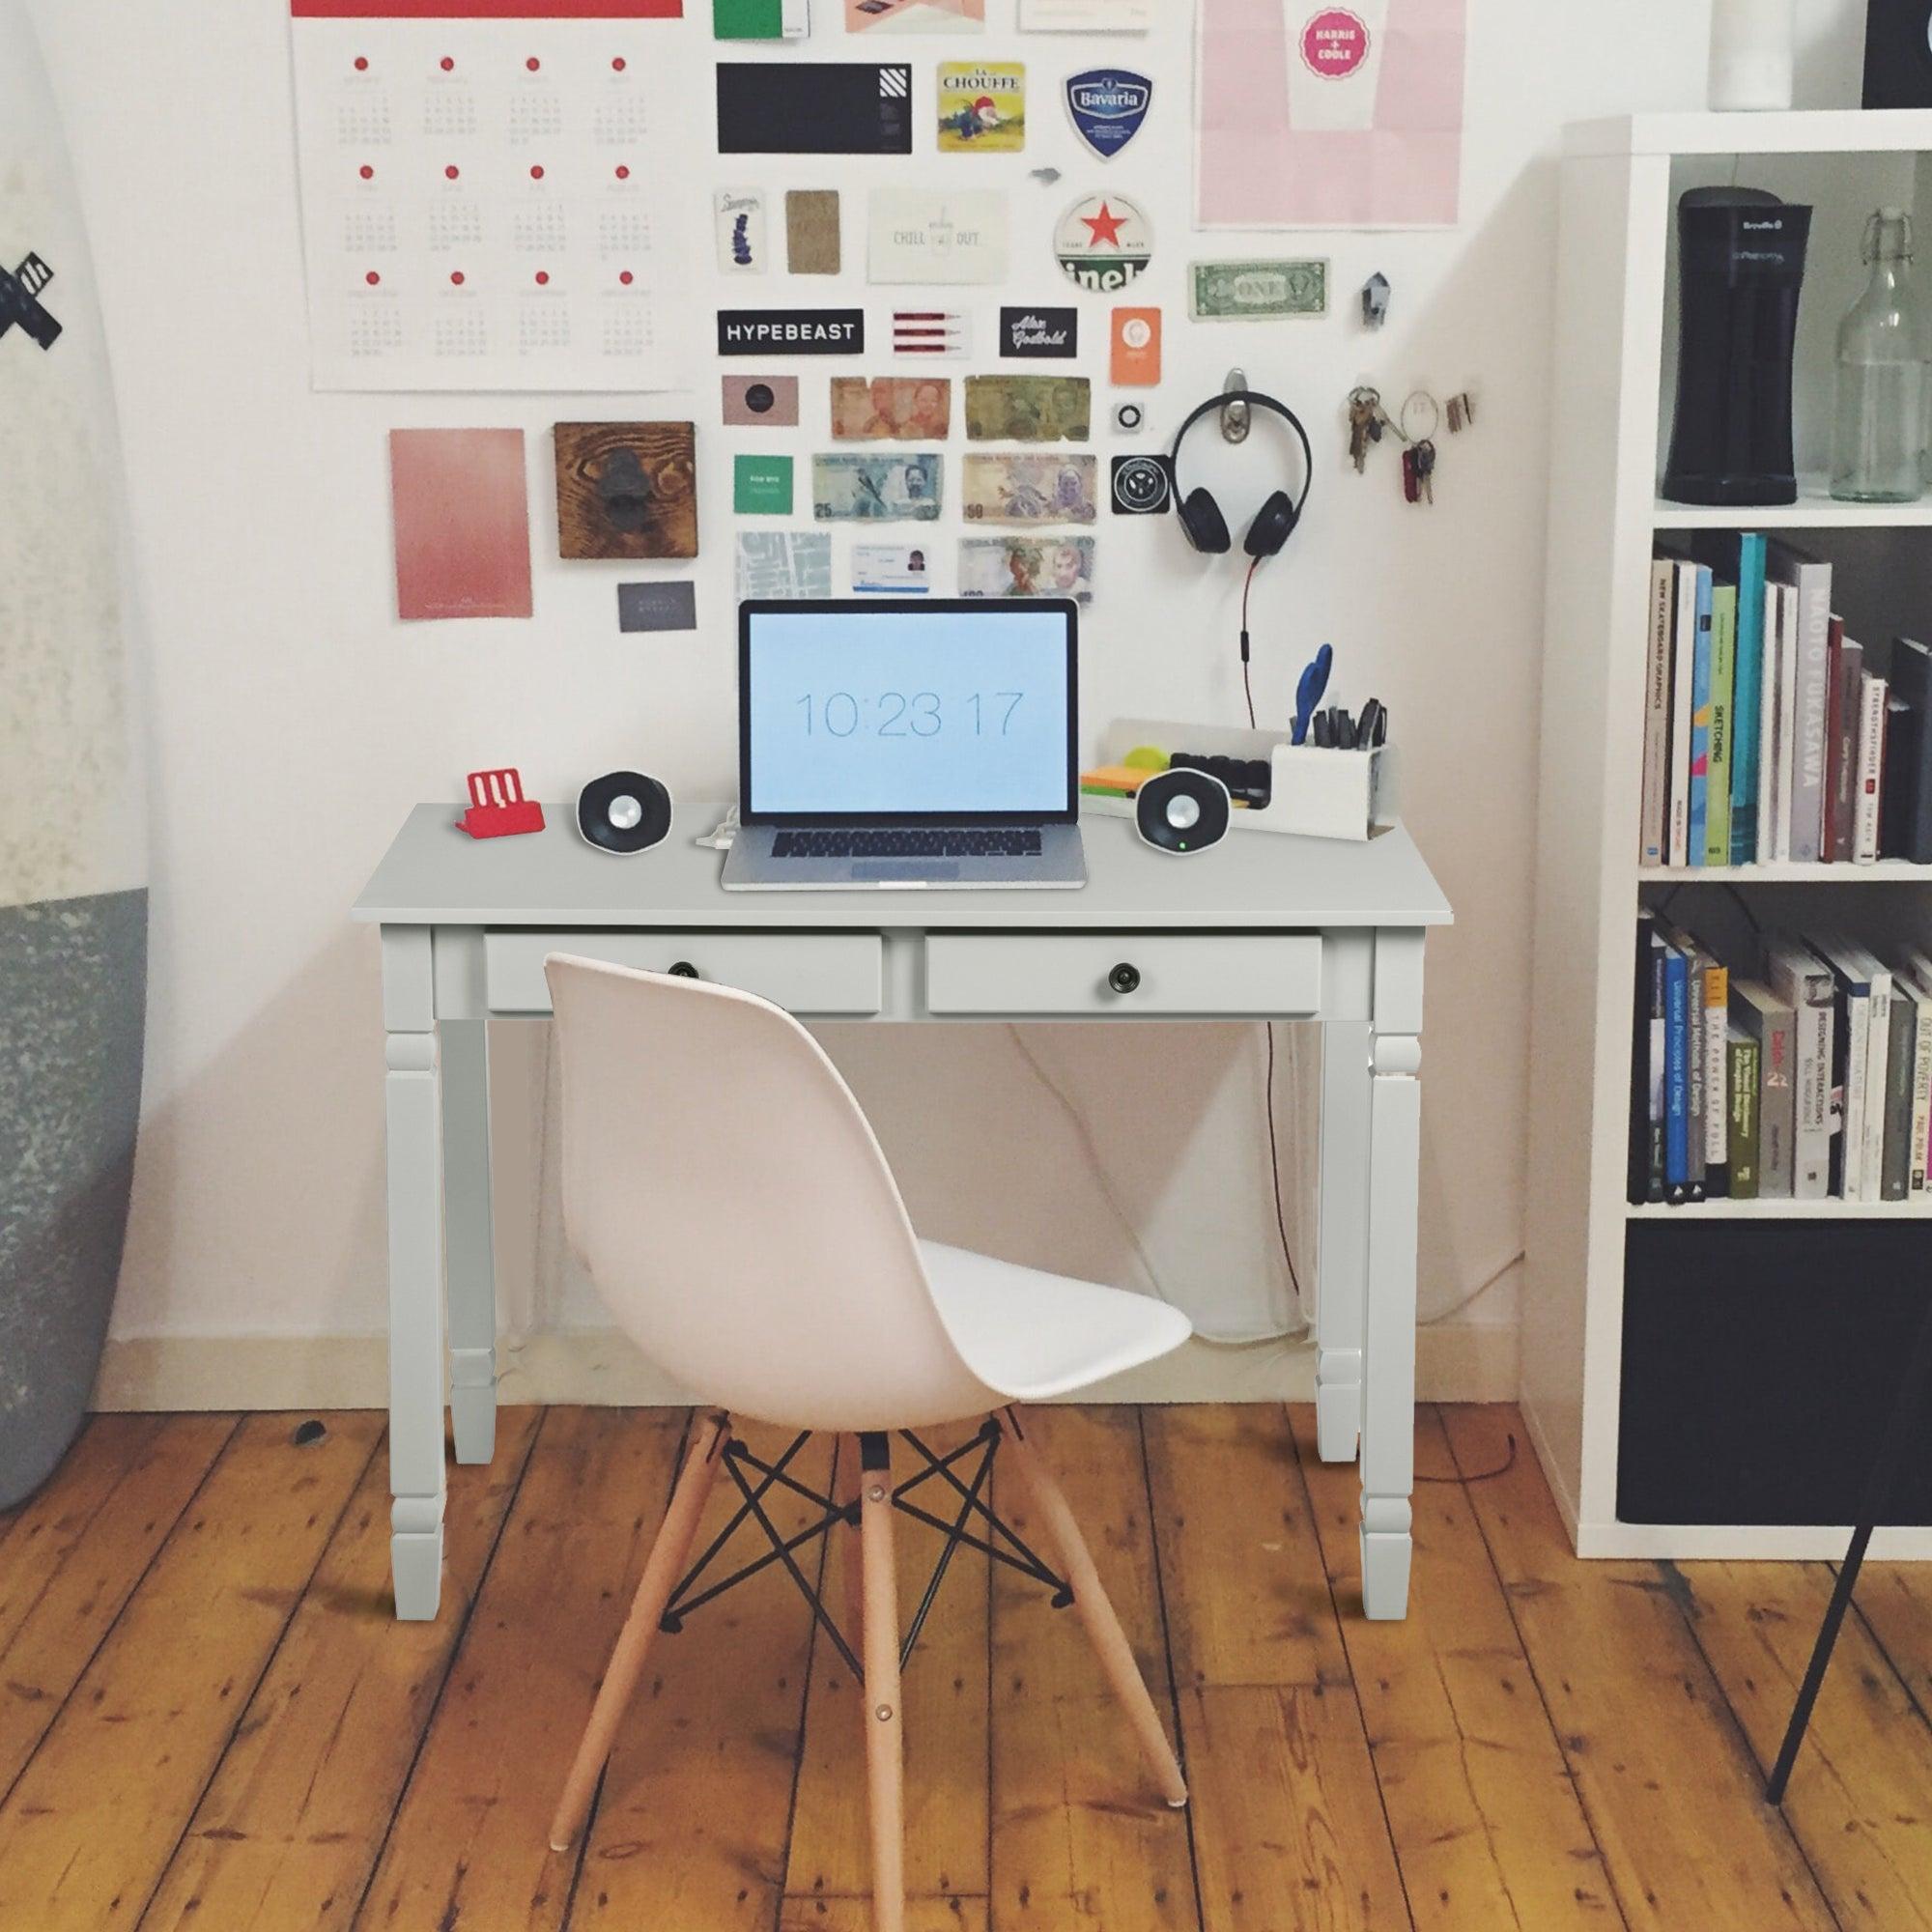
902,869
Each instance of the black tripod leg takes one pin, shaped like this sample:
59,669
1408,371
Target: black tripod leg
1878,1492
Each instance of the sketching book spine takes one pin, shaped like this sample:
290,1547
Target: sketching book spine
1811,580
1746,732
1697,829
1657,716
1743,1110
1723,700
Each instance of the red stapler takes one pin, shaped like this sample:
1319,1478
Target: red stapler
497,806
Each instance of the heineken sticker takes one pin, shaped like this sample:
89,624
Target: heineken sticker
1108,105
1103,241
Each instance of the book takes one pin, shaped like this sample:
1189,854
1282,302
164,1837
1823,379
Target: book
1810,577
1771,1022
1696,831
1676,1075
1713,1028
1647,1057
1895,1162
1724,673
1915,983
1738,556
1684,663
1654,841
1742,1113
1851,1059
1802,983
1842,764
1908,781
1787,715
1703,1092
1873,693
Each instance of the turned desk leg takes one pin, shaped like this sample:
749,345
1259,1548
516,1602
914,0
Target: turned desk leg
1342,1254
416,1273
1388,1368
463,1049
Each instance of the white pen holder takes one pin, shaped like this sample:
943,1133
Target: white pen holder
1314,792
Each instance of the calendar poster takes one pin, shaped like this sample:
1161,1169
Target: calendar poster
490,194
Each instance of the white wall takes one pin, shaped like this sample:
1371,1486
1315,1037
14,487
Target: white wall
295,720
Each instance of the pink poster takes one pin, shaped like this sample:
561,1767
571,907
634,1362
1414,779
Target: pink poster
1318,116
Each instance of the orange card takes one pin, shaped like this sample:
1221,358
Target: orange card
1136,347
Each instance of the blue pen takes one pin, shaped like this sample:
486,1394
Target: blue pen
1308,692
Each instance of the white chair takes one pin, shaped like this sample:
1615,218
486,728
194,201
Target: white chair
728,1197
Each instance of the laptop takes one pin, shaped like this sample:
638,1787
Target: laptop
907,742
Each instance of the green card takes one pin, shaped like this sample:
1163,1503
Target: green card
746,20
761,486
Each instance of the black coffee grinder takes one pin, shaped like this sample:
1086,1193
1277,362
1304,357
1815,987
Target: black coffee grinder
1742,256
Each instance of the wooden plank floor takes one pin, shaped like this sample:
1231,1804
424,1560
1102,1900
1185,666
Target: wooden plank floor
209,1719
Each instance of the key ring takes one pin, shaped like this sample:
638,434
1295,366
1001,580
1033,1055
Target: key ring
1413,397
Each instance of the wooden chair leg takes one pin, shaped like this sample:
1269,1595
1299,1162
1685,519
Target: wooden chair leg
885,1741
662,1570
1062,1535
850,1546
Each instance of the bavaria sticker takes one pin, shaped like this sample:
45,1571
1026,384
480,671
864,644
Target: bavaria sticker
1108,105
1103,241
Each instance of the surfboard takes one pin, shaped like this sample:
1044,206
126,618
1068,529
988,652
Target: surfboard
74,902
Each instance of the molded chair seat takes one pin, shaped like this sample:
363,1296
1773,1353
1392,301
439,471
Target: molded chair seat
1034,1336
731,1202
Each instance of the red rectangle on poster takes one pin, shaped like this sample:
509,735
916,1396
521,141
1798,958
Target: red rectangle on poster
463,523
487,10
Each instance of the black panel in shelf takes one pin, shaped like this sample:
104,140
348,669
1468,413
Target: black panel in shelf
1760,1360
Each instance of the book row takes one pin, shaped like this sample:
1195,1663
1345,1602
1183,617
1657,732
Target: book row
1769,734
1804,1073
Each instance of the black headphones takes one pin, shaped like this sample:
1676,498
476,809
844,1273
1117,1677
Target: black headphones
1201,518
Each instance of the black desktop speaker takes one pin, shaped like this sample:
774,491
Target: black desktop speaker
1899,53
1181,811
623,812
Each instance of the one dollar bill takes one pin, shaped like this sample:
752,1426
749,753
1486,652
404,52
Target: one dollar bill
1257,291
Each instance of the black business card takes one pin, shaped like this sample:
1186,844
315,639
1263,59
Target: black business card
1143,486
664,605
828,107
791,331
1048,332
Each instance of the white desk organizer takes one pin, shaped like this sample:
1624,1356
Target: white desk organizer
1317,794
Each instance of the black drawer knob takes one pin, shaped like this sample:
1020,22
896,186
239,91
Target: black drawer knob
1124,979
683,969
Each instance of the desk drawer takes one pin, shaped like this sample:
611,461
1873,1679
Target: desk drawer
803,972
1164,973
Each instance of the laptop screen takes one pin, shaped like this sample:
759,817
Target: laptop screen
907,711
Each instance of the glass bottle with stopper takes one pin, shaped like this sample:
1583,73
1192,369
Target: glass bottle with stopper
1878,420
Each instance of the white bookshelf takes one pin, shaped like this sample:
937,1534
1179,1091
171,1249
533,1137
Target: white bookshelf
1614,371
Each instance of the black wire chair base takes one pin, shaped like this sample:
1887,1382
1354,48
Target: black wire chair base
999,1541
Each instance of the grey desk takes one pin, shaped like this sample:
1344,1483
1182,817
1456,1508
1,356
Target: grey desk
1264,926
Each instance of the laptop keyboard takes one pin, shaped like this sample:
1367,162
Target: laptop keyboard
910,841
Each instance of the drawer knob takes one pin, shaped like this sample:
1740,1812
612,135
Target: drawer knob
683,969
1124,979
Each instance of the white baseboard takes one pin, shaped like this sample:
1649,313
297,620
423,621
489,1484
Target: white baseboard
1470,1363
